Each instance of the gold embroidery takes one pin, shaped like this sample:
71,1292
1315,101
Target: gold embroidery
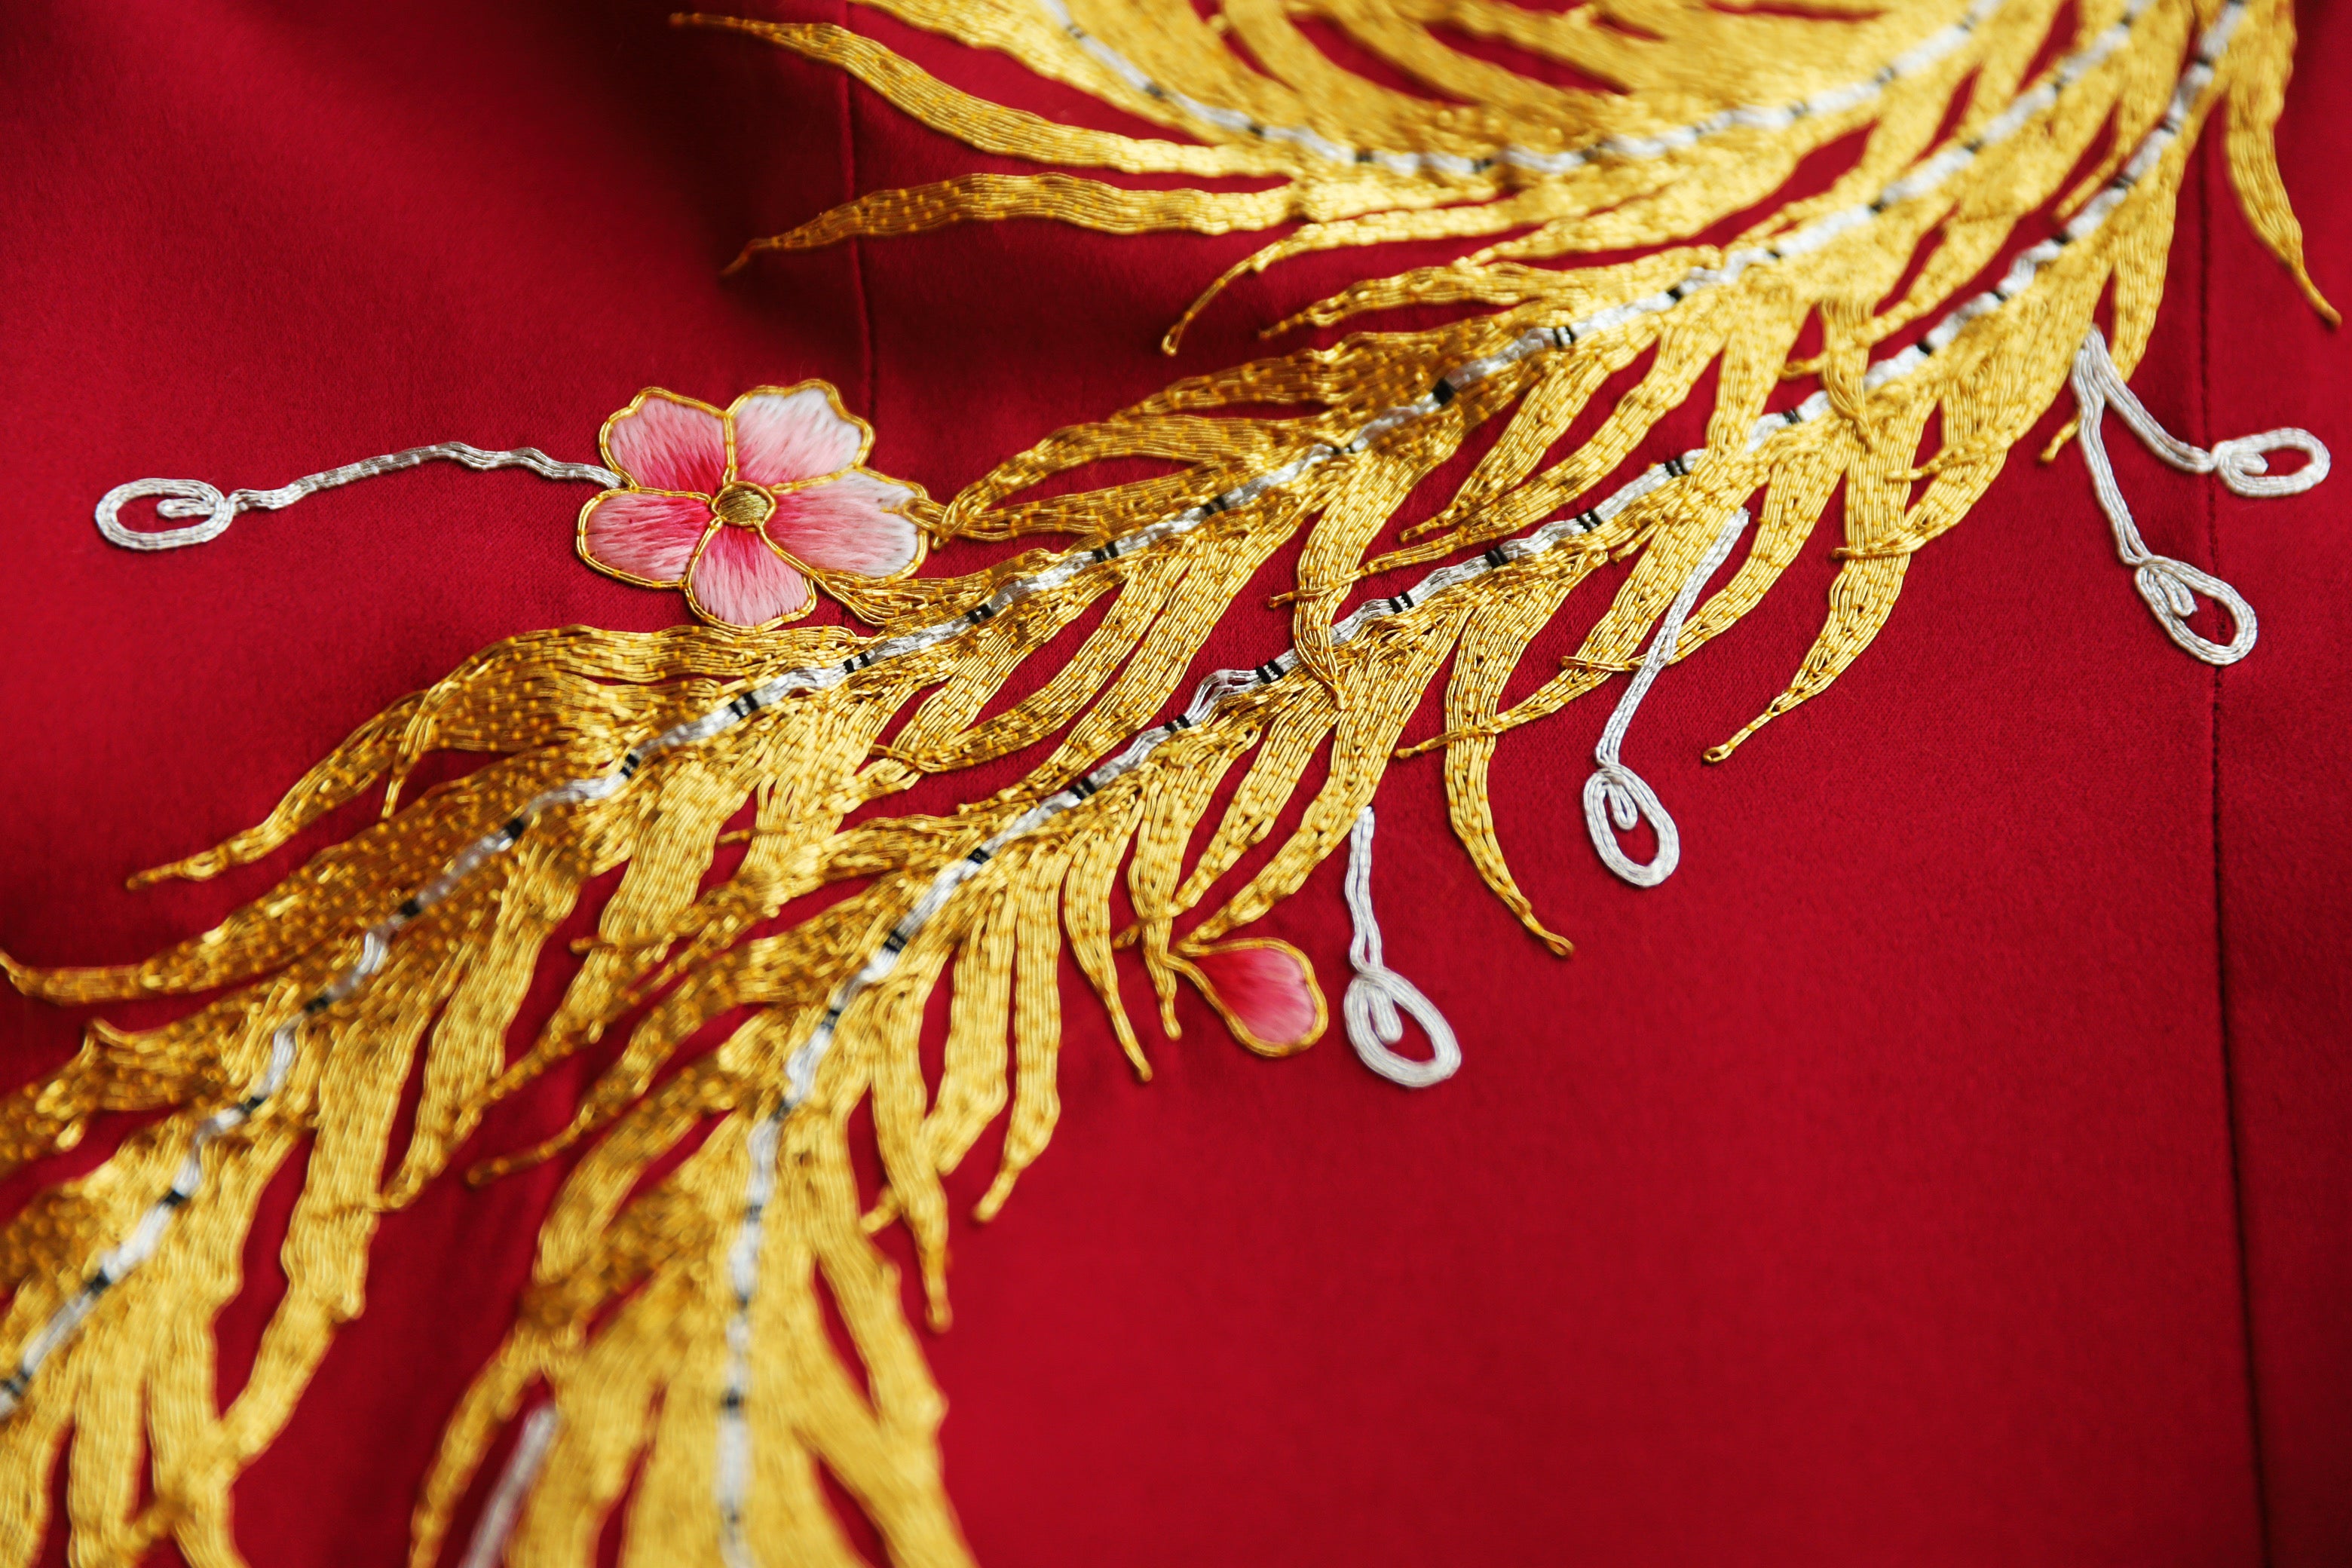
627,1320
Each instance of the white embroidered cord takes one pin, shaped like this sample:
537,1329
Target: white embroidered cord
148,1234
1615,792
1767,117
2170,586
194,497
1377,992
731,1476
489,1547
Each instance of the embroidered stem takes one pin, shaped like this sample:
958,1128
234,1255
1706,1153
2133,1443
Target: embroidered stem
2171,586
148,1234
194,497
1926,53
732,1483
1377,992
487,1549
1627,795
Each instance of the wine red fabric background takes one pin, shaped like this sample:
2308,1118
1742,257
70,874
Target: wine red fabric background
1946,1166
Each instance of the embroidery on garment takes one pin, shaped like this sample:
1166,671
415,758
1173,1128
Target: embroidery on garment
672,1355
743,507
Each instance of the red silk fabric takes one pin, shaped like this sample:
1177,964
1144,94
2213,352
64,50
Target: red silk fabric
1946,1166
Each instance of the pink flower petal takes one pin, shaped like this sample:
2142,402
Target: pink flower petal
665,442
782,436
648,537
740,582
1267,992
841,526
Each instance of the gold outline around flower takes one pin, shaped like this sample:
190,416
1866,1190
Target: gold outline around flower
811,578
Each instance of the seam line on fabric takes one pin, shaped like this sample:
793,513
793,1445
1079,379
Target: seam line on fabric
2220,901
857,246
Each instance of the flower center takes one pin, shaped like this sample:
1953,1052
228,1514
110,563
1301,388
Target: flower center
743,506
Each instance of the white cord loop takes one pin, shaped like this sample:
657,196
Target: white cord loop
194,497
1615,792
1375,994
2172,588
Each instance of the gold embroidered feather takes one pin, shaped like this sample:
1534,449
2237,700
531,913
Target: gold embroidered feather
657,1300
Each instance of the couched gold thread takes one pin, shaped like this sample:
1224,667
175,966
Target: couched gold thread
623,1323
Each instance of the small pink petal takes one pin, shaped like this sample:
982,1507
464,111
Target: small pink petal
784,437
1266,991
841,526
666,443
740,582
647,536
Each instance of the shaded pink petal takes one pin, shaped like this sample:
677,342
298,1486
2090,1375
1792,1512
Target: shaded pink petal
841,526
1266,991
664,443
742,582
646,536
781,437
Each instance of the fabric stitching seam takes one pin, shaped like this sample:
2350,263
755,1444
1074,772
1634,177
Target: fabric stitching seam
2220,925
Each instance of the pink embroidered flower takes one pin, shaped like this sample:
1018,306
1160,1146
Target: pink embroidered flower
1264,990
743,506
